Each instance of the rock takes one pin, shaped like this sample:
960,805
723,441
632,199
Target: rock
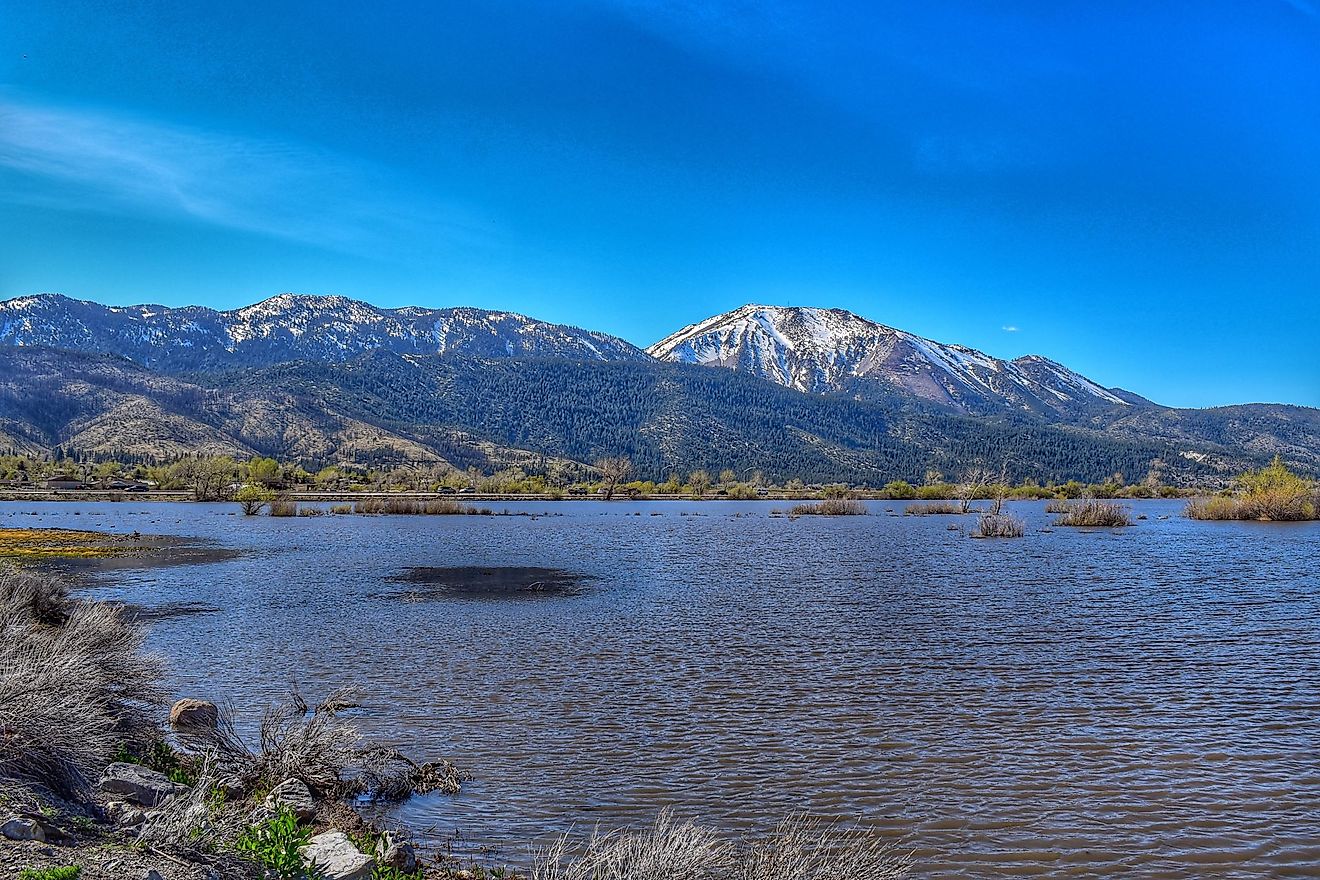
124,814
153,874
139,785
19,828
391,852
295,796
335,856
194,716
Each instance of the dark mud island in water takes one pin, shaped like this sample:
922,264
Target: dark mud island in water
1077,702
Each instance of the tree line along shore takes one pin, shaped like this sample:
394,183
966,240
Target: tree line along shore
219,478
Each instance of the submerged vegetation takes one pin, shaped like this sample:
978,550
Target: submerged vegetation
829,507
933,508
1094,512
999,525
1271,494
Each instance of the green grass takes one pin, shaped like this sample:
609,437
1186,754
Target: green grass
64,872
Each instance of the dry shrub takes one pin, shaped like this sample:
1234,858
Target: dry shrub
323,749
830,507
74,684
1096,513
937,507
283,507
416,507
799,849
1057,505
999,525
1218,508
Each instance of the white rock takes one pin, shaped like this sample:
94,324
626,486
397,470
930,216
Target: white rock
335,856
138,784
18,828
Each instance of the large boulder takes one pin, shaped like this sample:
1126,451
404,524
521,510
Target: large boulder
138,784
194,716
336,858
22,828
294,796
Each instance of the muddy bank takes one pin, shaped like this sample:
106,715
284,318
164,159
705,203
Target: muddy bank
80,550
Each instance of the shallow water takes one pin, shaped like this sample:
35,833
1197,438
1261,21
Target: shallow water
1143,702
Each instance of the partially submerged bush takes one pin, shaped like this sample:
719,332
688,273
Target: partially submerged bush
417,507
1096,513
1271,494
830,507
999,525
799,849
74,684
317,745
933,508
1057,505
283,507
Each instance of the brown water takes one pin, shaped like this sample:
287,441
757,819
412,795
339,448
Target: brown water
1140,703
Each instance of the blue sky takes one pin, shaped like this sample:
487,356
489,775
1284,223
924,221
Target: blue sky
1130,188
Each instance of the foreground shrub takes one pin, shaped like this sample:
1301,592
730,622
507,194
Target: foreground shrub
317,745
74,684
283,507
274,844
830,507
999,525
799,849
1096,513
932,508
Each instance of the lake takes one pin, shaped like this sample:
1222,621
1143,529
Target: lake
1142,702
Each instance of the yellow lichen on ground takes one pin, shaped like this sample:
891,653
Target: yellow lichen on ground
37,544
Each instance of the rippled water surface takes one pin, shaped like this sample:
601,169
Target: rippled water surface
1143,702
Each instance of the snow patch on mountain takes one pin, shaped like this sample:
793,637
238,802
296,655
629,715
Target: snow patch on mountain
833,351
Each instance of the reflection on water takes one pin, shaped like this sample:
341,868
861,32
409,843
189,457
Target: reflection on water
1134,703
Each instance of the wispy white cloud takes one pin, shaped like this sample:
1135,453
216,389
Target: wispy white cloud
1009,328
88,161
1304,7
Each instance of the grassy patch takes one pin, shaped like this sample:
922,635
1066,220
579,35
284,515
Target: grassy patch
933,508
1095,513
63,872
830,507
999,525
25,545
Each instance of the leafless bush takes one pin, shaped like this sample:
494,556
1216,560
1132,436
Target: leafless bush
830,507
326,751
999,525
799,849
669,850
1096,513
1057,505
74,684
935,507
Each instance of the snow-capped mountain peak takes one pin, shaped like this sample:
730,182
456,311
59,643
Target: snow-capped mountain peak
291,327
836,351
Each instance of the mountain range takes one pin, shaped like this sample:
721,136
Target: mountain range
820,394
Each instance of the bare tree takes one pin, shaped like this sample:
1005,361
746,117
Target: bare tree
975,484
612,472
